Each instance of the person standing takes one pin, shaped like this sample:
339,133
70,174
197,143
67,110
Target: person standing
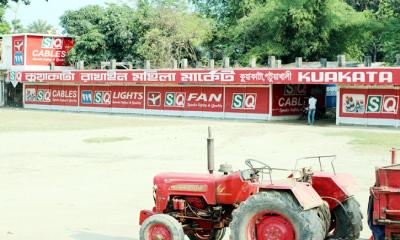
312,106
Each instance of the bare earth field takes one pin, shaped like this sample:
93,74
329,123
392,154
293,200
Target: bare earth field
86,176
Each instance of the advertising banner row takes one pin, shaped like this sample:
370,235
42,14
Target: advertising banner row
352,76
247,100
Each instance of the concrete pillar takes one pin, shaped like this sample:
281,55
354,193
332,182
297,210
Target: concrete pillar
226,62
367,61
113,64
147,64
323,62
271,62
212,64
398,60
81,65
198,64
52,64
130,65
278,63
174,64
299,62
341,60
253,62
184,63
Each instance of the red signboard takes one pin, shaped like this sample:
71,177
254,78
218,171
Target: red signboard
370,103
209,99
247,99
353,76
112,96
289,99
18,50
51,95
41,50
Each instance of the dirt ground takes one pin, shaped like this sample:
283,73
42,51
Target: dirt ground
86,176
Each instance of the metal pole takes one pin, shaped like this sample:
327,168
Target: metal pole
210,151
394,157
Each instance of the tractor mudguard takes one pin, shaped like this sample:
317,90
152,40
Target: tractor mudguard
303,192
144,214
333,188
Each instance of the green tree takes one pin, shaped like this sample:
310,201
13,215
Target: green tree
362,5
291,28
154,30
389,15
174,33
40,26
16,26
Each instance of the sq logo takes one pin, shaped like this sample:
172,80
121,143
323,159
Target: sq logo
102,97
175,99
154,99
52,42
244,101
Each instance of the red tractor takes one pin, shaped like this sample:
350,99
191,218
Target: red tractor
305,206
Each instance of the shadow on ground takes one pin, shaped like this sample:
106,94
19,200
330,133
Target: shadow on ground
96,236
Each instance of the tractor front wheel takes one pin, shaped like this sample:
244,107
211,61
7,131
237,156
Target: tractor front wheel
347,220
161,227
275,215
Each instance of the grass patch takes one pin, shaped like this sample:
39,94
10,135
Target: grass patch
372,139
105,139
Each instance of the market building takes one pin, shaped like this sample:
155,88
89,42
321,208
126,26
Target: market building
366,96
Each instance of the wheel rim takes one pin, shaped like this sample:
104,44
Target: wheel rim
159,232
270,227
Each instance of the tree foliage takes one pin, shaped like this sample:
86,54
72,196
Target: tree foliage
157,31
40,26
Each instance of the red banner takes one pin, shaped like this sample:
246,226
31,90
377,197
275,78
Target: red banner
51,95
247,100
112,96
353,76
41,50
18,50
210,99
370,103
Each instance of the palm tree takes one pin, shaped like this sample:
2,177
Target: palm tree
41,26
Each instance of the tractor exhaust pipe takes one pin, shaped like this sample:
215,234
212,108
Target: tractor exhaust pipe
210,151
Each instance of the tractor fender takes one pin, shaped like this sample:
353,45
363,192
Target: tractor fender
333,188
144,214
303,192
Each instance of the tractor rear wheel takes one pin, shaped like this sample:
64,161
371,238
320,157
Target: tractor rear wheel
161,227
215,235
347,220
325,216
275,215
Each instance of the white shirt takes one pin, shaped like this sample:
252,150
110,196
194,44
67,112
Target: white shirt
312,102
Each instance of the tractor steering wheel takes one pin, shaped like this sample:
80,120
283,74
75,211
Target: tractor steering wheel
250,162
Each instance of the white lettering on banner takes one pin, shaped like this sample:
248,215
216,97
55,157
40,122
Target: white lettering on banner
153,76
104,76
128,95
64,93
49,53
203,97
345,77
213,76
266,77
291,102
41,77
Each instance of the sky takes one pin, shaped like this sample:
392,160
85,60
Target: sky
49,11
